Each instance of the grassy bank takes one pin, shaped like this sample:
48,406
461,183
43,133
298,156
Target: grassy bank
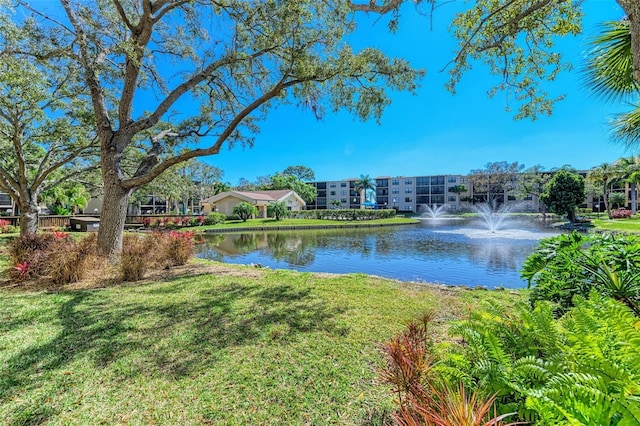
292,223
621,225
221,345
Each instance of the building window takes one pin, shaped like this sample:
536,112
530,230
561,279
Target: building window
333,185
343,200
395,182
395,200
343,192
408,190
343,184
408,208
451,179
395,191
452,199
408,199
464,180
333,192
408,181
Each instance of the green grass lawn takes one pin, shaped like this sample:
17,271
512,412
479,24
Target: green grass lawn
236,346
623,225
251,223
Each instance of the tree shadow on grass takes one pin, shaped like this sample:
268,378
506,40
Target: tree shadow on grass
171,333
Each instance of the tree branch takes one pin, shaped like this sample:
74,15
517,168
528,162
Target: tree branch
215,148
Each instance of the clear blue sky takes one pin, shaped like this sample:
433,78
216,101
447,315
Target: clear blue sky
434,132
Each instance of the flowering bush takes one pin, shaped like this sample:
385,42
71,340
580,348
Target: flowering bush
6,227
60,235
146,222
20,271
177,248
52,255
621,214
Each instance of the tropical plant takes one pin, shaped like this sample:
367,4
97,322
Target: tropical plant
458,189
617,199
362,185
582,368
597,378
277,209
604,175
610,74
565,266
245,210
423,397
563,193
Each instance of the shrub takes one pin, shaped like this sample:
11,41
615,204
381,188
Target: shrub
621,214
146,222
579,369
174,248
423,395
71,260
137,256
568,265
344,214
200,219
245,210
214,218
6,227
277,209
34,249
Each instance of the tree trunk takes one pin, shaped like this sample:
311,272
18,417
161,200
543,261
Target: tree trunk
362,199
605,196
632,188
112,215
28,215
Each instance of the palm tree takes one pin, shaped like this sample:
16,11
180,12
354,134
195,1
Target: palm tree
458,189
603,175
630,168
610,73
362,185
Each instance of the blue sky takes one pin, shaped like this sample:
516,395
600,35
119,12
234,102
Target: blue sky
435,132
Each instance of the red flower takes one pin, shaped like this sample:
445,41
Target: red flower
22,267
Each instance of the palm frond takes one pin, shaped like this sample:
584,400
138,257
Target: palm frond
609,67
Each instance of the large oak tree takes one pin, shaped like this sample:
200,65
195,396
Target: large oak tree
46,134
168,73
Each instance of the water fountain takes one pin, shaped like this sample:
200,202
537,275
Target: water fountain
492,218
494,223
434,211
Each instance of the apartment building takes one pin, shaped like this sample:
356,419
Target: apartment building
403,193
7,206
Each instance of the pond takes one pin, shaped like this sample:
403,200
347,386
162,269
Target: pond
448,251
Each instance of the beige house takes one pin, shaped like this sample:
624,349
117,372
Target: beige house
225,201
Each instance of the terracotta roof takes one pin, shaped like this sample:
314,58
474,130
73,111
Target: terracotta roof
265,195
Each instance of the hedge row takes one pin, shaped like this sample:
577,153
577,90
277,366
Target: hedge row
346,214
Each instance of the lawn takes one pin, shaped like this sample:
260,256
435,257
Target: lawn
219,344
623,225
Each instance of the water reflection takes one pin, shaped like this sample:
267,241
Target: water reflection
426,252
